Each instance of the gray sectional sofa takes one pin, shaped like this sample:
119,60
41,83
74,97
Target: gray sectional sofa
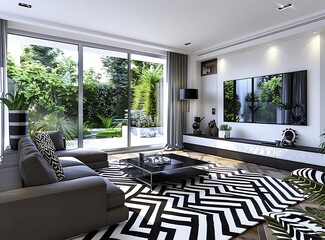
34,205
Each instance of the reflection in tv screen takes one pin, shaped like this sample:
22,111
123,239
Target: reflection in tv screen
273,99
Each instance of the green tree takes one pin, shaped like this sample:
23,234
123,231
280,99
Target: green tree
232,104
47,56
268,96
146,94
117,72
270,89
91,79
50,76
137,69
55,88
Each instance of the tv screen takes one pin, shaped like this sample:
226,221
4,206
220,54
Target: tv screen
273,99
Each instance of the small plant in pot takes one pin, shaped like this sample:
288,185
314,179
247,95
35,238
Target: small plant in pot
322,145
18,104
224,131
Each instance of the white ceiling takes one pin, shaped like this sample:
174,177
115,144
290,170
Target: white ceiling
167,24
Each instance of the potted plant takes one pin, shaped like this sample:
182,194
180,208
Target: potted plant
18,104
322,145
224,131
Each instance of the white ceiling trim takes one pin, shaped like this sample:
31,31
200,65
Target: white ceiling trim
288,29
85,32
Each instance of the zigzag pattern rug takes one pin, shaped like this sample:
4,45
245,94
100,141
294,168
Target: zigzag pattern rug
217,206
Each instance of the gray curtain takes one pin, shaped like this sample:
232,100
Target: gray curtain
177,65
3,57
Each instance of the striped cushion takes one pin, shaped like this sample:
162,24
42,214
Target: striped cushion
310,173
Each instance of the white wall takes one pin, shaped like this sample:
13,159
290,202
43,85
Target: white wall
207,86
302,53
322,84
209,99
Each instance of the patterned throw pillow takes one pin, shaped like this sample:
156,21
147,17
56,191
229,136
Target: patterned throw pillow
46,147
43,139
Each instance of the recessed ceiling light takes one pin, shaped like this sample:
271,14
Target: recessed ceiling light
314,32
25,5
187,44
283,7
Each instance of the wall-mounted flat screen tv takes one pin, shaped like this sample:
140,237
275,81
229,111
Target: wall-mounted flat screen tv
272,99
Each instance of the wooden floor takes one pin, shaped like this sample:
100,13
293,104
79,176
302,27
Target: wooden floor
259,232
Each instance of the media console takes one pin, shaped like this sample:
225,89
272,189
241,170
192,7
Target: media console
258,152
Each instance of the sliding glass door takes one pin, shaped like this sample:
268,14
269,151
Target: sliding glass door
123,94
47,70
105,98
147,100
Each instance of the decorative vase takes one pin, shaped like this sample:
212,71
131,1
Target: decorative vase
208,131
214,131
18,126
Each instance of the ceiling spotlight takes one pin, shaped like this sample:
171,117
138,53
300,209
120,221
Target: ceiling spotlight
285,6
187,44
25,5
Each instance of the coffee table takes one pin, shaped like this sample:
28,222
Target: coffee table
153,170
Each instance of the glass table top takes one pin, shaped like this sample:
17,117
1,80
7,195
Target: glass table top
158,163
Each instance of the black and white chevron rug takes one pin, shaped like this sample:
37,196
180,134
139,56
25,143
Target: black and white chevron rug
217,206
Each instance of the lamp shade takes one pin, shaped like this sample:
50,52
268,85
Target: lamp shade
188,93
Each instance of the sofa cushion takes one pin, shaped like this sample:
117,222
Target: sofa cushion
57,139
80,171
10,158
10,178
69,161
46,147
34,169
85,155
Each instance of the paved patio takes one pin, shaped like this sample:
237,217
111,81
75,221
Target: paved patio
115,143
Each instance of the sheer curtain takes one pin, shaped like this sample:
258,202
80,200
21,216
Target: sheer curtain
177,65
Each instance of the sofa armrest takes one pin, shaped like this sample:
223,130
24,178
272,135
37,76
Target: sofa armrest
54,211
